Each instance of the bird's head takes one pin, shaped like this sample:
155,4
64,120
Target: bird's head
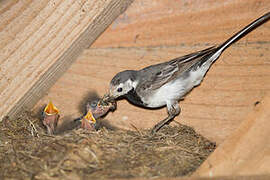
122,83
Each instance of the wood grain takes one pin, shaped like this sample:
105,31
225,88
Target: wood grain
215,109
246,151
39,41
261,177
193,22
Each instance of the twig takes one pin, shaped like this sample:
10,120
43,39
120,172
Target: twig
177,148
33,129
136,129
93,154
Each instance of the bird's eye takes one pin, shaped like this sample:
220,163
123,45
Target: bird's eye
94,103
119,89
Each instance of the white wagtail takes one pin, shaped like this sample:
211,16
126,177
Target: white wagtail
167,83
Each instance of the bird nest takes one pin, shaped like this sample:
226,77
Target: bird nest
27,152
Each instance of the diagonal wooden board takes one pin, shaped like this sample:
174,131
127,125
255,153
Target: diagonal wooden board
260,177
39,41
246,151
215,109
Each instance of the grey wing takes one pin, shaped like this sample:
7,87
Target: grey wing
155,76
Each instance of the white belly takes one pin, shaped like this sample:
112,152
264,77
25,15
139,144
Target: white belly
175,90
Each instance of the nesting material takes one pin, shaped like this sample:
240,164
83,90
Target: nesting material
26,151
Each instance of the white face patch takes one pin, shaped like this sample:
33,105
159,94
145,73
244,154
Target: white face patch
134,83
130,84
125,88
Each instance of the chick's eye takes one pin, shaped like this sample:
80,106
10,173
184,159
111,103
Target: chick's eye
119,89
94,103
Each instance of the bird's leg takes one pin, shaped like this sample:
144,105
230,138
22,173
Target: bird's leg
173,110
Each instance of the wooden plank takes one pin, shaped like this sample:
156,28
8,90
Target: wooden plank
246,151
39,41
193,22
215,109
261,177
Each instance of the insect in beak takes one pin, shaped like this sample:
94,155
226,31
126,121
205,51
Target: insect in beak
108,101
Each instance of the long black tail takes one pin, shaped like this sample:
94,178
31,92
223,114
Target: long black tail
244,31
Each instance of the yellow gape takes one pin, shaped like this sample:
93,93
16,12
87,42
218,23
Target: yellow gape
50,109
89,116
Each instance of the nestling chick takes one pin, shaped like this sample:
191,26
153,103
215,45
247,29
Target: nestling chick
88,121
50,118
95,109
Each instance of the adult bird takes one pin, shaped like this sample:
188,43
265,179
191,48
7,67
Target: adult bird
166,83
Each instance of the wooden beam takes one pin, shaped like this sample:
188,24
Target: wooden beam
193,22
246,151
40,39
260,177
